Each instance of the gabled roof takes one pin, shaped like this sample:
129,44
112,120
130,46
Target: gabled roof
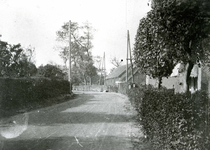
135,70
117,72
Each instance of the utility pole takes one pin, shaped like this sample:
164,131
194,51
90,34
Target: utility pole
129,52
127,61
103,69
70,56
101,66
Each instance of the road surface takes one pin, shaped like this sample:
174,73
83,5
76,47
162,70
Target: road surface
92,121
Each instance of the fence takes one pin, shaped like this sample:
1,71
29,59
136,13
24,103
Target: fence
93,88
120,88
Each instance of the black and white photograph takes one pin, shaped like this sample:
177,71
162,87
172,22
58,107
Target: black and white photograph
105,75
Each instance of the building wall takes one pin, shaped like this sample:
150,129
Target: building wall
111,82
169,83
178,83
139,79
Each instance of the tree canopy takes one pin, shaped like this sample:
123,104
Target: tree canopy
174,31
51,71
16,61
81,55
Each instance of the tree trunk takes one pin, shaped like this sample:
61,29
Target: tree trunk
85,80
159,82
90,81
188,79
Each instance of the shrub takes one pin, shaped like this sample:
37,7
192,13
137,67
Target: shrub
173,121
135,96
24,92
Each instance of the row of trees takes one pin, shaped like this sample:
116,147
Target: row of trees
18,62
173,32
83,69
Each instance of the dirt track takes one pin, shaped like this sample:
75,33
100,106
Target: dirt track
92,121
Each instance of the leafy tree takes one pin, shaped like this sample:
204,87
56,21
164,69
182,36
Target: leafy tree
29,52
173,32
91,71
14,62
50,71
82,60
26,68
5,56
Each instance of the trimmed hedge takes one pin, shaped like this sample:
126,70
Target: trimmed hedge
173,121
24,92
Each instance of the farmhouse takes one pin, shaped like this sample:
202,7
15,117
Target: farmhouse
119,76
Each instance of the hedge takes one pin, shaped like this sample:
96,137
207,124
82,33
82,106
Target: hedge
23,92
173,121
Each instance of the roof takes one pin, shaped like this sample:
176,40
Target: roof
117,72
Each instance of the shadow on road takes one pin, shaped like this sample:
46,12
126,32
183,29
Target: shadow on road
76,118
60,115
54,127
13,126
70,143
6,113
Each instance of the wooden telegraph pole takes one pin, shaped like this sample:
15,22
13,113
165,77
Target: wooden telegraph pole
70,56
103,69
129,52
127,61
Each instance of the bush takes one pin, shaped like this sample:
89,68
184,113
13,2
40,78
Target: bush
173,121
135,96
21,93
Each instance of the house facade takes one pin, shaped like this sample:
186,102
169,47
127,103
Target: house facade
199,79
116,76
119,76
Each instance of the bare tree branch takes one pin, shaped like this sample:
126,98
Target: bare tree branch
116,62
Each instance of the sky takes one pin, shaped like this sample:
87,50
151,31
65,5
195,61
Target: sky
35,22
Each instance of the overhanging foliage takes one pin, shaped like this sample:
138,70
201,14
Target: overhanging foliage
173,32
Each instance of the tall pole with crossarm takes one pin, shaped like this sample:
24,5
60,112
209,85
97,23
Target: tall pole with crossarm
129,53
70,56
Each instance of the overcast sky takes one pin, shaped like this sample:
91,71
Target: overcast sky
35,22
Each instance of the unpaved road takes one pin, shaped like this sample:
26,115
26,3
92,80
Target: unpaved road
92,121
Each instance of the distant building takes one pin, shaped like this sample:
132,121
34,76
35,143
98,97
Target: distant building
118,75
